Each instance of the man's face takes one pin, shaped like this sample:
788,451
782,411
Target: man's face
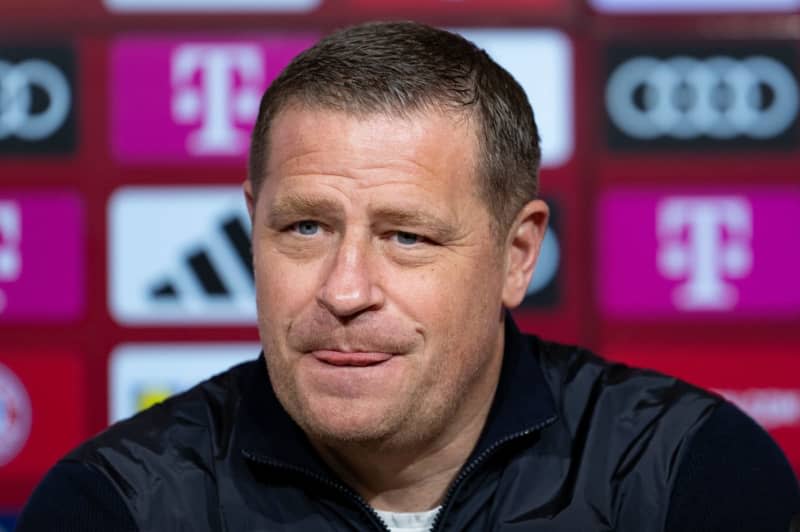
379,278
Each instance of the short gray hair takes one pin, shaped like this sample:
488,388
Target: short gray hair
399,68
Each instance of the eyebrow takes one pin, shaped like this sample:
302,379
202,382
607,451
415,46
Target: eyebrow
440,229
291,206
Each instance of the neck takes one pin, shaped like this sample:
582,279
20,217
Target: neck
403,480
413,478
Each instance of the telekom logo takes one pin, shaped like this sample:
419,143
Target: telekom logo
218,88
706,242
200,98
10,233
726,252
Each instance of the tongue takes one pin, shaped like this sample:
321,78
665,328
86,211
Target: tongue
338,358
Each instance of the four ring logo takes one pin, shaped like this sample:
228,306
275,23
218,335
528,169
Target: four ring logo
36,100
719,97
17,83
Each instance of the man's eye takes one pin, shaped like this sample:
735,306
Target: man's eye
407,239
306,228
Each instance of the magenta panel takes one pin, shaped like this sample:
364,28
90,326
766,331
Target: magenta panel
729,252
42,256
201,97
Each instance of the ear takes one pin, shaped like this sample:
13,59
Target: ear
522,249
247,186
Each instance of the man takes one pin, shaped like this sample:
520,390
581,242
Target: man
392,190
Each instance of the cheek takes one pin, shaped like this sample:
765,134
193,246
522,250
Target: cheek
448,295
282,287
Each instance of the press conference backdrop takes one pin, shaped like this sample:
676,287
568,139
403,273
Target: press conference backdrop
670,160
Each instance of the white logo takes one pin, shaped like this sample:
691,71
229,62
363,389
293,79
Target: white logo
218,87
705,241
142,374
721,6
547,265
720,97
212,6
180,255
15,415
541,61
10,233
771,407
16,99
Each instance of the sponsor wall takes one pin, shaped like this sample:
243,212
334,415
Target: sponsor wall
670,161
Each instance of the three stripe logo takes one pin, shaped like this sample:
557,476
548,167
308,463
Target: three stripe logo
213,281
180,255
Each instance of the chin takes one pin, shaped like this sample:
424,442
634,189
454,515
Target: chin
335,436
345,422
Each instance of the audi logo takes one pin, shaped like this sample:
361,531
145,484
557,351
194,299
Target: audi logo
17,116
720,97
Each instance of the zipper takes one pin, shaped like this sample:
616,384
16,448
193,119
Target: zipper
452,491
474,464
358,499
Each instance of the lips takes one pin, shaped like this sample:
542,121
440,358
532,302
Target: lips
353,359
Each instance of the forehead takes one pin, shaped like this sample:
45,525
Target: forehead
434,146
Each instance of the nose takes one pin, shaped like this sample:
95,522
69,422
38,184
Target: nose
350,286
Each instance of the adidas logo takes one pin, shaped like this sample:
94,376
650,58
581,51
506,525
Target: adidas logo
180,256
217,268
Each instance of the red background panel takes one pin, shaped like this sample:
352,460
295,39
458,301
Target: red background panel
56,385
52,10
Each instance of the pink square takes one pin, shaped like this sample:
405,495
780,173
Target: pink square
42,256
726,252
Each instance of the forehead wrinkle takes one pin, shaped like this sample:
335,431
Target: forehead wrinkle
311,153
368,171
305,164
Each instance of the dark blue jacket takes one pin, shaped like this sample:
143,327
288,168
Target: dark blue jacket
572,443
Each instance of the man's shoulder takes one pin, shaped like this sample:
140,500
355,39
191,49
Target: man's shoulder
564,363
625,401
696,450
571,369
147,466
199,418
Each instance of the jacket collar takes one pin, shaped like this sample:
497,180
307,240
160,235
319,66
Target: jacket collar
522,402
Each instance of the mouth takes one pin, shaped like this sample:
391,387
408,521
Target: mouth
357,359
